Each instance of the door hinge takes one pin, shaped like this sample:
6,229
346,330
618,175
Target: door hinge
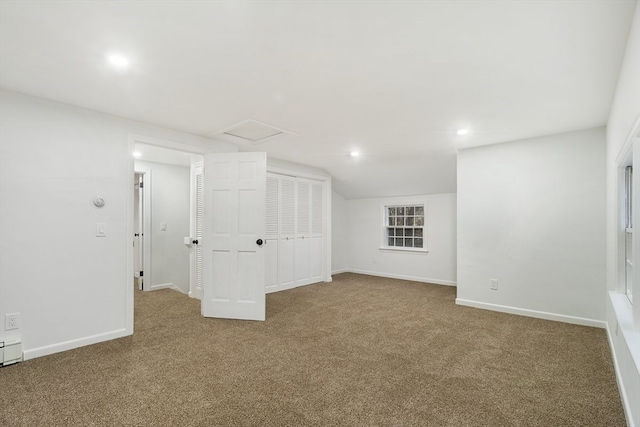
141,273
141,184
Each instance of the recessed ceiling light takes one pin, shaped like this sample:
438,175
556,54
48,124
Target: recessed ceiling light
354,154
136,154
118,61
462,131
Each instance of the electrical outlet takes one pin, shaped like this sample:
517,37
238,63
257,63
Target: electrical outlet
373,260
494,284
11,321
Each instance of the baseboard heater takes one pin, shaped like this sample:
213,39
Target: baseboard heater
10,352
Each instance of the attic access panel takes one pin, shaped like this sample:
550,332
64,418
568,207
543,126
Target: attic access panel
252,131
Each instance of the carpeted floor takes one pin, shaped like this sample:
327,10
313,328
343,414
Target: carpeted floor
360,351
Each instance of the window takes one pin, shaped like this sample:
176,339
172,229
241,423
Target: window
624,297
628,235
404,227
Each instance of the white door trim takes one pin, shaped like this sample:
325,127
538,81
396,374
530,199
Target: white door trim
141,139
129,183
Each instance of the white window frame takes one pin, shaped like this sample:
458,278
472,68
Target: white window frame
384,244
628,233
628,311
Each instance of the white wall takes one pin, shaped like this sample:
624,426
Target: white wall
365,228
625,340
532,215
340,234
70,287
170,204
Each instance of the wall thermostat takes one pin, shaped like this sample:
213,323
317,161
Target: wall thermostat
98,202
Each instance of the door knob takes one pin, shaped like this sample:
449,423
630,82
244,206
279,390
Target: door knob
259,242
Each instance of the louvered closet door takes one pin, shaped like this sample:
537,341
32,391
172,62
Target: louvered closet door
316,236
272,232
286,246
303,231
198,219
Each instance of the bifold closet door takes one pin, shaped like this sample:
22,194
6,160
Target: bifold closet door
294,225
286,243
303,241
315,236
272,232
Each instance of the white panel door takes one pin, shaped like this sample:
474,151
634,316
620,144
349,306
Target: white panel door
234,229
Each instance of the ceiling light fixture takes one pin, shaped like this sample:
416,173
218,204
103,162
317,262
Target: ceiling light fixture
118,61
462,131
354,154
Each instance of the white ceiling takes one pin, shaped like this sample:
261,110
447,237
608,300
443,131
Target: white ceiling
392,79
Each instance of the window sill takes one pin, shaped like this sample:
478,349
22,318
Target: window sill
409,250
624,316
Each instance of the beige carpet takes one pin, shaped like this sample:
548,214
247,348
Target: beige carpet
360,351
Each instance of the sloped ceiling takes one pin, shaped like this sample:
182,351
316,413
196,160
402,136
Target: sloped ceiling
393,80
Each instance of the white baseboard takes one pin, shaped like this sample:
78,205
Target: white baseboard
291,286
533,313
340,270
165,286
279,288
619,379
70,345
403,277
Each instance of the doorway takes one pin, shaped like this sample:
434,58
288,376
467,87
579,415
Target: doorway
163,208
138,230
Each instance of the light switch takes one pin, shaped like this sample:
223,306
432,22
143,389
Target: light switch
163,226
101,229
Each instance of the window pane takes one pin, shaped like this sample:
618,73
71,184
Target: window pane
628,192
628,283
405,226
